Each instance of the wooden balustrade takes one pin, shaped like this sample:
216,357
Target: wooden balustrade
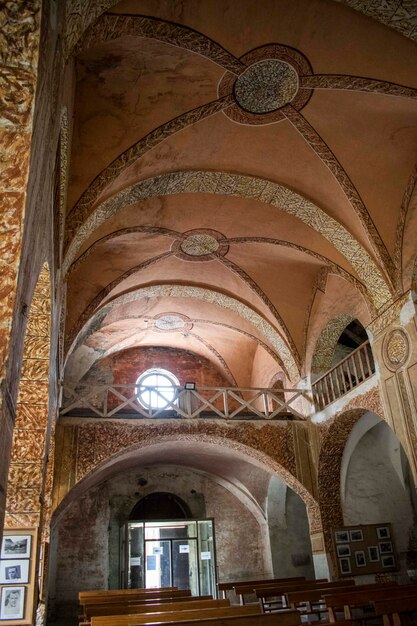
354,369
212,402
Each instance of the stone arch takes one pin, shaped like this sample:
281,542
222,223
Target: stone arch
30,440
83,220
333,444
28,503
113,451
326,343
206,295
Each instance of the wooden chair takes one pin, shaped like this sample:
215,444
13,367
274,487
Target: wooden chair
396,611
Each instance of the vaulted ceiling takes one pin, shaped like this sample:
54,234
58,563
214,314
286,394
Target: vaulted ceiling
239,173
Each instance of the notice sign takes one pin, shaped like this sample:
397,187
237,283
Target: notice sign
205,556
184,549
158,550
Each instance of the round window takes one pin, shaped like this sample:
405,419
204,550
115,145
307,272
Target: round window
156,388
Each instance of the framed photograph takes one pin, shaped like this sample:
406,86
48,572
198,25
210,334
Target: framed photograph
12,604
360,558
388,561
345,566
356,535
373,554
16,547
385,547
14,571
341,536
383,532
343,550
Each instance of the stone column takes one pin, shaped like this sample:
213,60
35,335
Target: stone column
395,351
19,48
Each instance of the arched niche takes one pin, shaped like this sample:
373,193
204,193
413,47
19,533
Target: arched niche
289,534
376,483
340,337
160,506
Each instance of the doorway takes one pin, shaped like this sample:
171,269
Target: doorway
169,553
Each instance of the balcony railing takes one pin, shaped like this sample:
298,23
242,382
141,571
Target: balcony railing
202,402
354,369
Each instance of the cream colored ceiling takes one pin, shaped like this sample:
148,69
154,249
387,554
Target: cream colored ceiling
250,224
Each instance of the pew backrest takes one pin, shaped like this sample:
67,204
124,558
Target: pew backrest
291,618
195,602
162,617
391,608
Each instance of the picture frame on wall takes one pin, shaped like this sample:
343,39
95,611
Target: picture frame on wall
345,567
383,532
388,560
341,536
14,571
12,603
385,547
360,558
16,546
343,550
373,554
356,535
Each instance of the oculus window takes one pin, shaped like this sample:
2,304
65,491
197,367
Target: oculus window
156,388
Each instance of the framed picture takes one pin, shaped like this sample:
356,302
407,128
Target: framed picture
341,536
383,532
343,550
14,571
373,554
356,535
16,547
12,603
388,561
385,547
345,566
360,558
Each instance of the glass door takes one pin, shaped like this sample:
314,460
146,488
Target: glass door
169,554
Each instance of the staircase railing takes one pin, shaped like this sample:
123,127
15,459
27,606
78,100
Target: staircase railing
351,371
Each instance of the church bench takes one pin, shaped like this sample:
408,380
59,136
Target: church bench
136,596
223,588
363,599
185,614
121,592
311,597
273,598
243,590
131,598
287,618
153,607
391,609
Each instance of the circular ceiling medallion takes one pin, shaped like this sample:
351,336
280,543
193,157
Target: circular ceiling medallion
269,83
266,86
169,322
200,245
396,349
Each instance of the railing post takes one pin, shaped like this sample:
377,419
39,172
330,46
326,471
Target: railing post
225,403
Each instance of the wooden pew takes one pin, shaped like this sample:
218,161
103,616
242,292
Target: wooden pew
163,617
135,596
273,598
288,618
194,602
144,597
121,592
243,590
223,588
362,599
313,597
391,609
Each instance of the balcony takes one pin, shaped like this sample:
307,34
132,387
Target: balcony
226,403
353,370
